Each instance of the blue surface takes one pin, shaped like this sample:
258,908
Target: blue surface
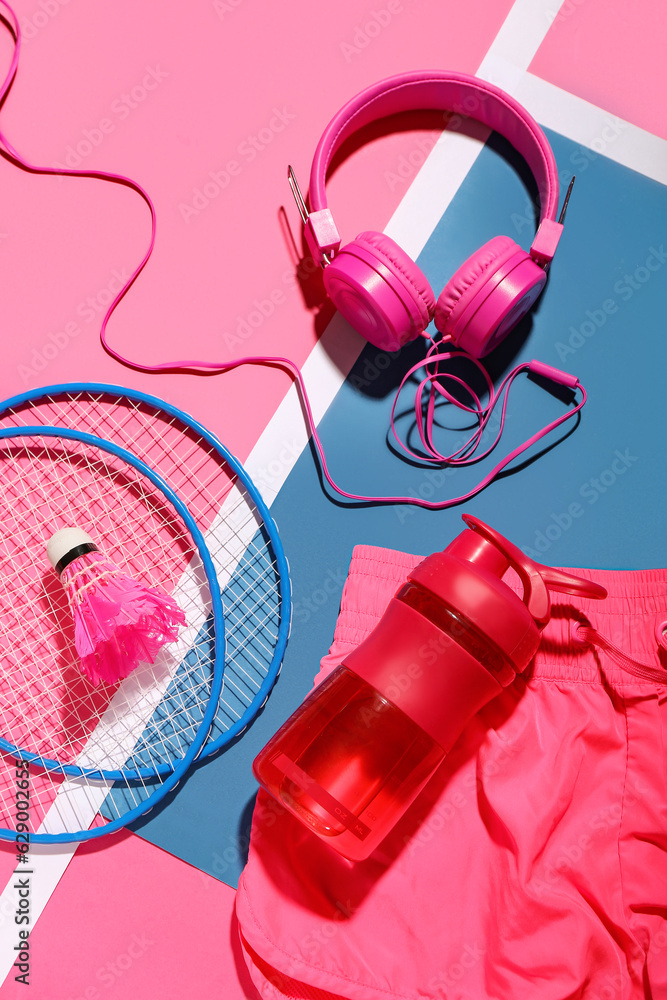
592,500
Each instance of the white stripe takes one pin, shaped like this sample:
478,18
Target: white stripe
325,370
285,437
78,801
598,130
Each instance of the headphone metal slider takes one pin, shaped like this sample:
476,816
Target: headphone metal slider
545,242
548,235
320,231
322,236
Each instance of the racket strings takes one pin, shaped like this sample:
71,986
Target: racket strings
252,597
157,437
43,711
244,554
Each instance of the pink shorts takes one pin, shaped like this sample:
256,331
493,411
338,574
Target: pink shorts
533,865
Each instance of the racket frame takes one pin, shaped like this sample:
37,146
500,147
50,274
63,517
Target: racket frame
282,565
178,769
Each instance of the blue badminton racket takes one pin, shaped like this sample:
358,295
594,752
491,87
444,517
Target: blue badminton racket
239,531
81,743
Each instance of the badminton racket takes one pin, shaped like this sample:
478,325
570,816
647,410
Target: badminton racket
76,739
240,533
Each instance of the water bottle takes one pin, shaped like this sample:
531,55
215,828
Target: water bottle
363,744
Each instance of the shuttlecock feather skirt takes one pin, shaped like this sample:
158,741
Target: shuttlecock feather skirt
118,621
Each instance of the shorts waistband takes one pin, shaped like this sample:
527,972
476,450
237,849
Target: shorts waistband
628,616
636,604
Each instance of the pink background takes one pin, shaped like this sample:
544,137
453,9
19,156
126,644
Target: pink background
221,73
609,57
225,76
129,920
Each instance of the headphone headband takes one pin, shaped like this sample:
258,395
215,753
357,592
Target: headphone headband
456,92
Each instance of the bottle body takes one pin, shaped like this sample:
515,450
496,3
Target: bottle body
352,758
348,763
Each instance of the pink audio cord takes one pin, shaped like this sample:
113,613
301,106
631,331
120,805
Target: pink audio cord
430,383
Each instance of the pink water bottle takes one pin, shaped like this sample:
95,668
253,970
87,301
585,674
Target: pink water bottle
363,744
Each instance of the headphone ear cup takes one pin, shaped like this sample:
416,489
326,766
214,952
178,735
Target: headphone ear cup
488,296
380,291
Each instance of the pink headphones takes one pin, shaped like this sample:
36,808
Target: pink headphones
380,290
376,286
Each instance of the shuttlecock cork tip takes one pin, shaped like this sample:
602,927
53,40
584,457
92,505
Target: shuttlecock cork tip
66,545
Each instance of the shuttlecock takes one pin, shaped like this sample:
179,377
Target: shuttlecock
118,622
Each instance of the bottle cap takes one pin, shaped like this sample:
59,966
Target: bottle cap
468,577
